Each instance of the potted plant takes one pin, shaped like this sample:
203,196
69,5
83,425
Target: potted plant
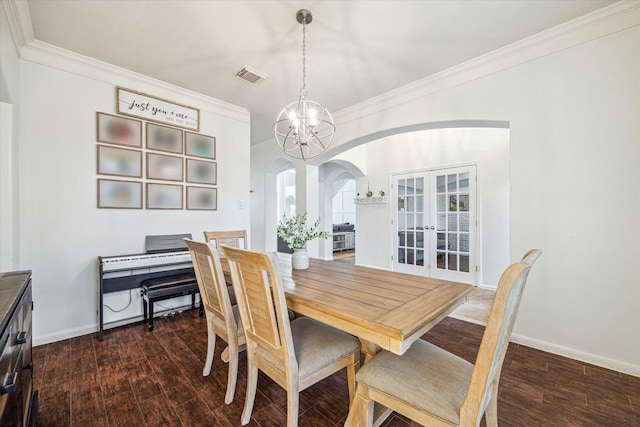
297,233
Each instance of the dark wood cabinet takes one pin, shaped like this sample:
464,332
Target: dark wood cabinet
18,400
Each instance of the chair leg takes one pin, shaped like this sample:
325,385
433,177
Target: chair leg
351,375
365,407
491,413
233,372
293,405
352,417
211,346
252,384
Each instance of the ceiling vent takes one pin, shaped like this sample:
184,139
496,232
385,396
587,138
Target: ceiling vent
251,76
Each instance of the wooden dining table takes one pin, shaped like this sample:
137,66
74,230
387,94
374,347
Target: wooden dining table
384,309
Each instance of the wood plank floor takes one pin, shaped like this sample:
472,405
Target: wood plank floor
140,378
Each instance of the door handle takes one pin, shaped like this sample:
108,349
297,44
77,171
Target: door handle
426,227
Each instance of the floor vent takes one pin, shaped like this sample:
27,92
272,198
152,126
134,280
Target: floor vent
251,76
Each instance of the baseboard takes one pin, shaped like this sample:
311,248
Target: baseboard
90,329
594,359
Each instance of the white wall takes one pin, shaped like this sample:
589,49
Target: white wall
488,148
9,83
572,101
62,231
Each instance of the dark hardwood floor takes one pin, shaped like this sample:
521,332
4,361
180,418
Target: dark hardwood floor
140,378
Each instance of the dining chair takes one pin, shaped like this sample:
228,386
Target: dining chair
232,238
434,387
295,354
223,319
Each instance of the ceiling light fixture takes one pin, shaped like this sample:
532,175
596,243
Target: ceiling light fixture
304,129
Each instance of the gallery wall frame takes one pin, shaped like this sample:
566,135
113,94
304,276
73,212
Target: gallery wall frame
202,172
163,138
115,194
202,198
164,196
152,108
118,130
199,145
119,161
164,167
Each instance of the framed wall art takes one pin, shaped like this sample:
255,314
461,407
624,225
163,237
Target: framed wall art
154,109
202,172
118,130
202,198
163,138
119,161
119,194
164,196
198,145
167,168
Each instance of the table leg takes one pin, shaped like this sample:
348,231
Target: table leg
369,349
380,413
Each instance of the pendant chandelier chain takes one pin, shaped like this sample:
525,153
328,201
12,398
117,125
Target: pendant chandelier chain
303,91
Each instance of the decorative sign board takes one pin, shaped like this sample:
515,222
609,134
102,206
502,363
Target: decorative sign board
148,107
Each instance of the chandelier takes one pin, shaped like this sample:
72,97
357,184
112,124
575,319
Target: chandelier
304,129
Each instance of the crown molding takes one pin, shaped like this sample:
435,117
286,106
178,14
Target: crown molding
19,19
47,54
611,19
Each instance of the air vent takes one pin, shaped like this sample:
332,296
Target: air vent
251,76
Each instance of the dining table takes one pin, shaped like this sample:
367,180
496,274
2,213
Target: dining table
384,309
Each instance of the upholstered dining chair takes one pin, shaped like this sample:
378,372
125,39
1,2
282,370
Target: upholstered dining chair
295,354
223,319
436,388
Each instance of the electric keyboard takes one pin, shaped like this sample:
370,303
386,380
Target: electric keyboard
166,257
141,261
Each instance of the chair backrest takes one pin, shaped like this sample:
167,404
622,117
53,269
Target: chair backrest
211,282
233,239
262,305
493,347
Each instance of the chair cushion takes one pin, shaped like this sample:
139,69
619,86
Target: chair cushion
425,377
236,314
316,346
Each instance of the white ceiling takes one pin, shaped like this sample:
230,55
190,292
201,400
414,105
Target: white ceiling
355,49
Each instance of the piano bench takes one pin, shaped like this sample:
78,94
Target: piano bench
162,288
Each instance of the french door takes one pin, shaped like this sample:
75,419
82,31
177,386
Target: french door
434,223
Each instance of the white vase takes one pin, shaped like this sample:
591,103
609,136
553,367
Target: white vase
300,259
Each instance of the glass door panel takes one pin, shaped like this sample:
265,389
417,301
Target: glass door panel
433,232
454,253
409,221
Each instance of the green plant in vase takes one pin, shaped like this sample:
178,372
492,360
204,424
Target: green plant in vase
297,233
